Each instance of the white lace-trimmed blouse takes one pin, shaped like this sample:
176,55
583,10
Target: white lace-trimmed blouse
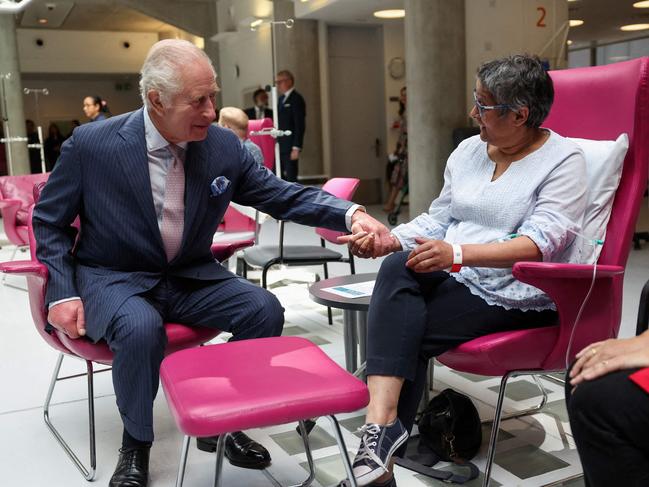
541,196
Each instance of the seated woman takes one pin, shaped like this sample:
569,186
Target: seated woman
608,408
514,193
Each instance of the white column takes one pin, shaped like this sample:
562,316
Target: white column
13,95
435,77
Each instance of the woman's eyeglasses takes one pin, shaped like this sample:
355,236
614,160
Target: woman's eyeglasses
483,108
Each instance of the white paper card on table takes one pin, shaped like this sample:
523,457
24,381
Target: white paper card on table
356,290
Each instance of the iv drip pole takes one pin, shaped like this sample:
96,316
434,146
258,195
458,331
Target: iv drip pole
40,145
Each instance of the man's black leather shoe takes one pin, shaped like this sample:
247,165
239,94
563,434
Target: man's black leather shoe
132,468
241,450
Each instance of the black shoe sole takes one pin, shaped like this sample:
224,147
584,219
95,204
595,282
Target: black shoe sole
202,446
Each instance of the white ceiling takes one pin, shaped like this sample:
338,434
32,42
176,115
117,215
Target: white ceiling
602,17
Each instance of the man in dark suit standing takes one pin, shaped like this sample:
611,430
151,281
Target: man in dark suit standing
150,188
260,109
292,116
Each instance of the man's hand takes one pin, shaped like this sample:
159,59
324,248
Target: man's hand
68,317
430,255
601,358
370,238
295,154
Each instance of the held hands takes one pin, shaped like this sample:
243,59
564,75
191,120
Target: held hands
600,358
68,317
430,255
369,237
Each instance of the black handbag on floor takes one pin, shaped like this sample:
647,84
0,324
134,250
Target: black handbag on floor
449,430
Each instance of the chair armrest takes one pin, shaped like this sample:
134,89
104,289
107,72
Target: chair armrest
8,203
531,272
567,285
24,268
224,250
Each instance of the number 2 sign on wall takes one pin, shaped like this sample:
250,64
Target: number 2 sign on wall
541,21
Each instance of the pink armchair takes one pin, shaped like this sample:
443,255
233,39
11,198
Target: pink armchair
16,197
179,337
595,103
265,142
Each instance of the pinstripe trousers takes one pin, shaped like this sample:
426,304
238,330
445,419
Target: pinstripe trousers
137,337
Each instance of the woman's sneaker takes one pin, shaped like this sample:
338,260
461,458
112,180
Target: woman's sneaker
378,444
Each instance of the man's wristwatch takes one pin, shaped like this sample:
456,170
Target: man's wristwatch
457,258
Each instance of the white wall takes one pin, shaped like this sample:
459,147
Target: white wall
497,28
66,51
244,55
67,92
393,46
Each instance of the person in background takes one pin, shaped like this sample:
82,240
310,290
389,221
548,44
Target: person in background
74,124
260,109
94,108
53,145
516,192
291,116
236,120
34,154
396,171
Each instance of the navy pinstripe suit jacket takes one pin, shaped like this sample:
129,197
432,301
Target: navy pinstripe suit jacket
103,177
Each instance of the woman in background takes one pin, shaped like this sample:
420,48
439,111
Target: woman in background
94,108
53,146
397,168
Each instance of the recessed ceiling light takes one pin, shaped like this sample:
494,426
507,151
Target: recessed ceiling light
633,27
42,21
390,14
569,42
576,23
643,4
256,23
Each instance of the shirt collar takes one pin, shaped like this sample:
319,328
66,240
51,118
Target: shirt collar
154,140
288,92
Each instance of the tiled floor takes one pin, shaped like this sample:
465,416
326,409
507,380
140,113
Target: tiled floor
532,451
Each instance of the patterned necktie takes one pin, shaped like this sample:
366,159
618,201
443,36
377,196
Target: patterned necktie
173,209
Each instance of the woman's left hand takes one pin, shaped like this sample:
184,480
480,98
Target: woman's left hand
430,255
601,358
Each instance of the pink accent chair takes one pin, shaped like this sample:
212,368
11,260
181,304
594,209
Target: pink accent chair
235,386
265,142
264,257
16,197
595,103
179,337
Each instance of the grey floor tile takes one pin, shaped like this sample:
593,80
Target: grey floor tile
294,330
486,433
520,390
477,482
557,409
329,470
352,424
573,483
318,340
474,377
292,444
528,461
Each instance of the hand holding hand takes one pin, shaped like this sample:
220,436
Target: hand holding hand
369,238
68,317
430,255
601,358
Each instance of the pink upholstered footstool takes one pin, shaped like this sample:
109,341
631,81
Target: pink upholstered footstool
218,389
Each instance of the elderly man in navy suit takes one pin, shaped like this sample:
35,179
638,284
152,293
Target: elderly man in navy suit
150,188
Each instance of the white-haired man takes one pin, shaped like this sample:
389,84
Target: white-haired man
150,188
235,119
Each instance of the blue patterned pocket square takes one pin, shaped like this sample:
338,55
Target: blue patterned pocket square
219,186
